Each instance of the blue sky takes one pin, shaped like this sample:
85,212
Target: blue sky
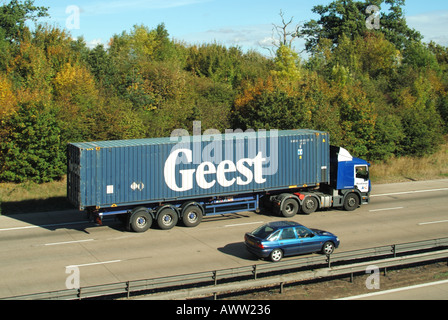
245,23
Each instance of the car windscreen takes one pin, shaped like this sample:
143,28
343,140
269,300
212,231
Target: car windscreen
263,232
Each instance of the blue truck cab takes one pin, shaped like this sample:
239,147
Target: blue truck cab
349,174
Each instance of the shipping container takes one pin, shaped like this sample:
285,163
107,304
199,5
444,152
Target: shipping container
129,172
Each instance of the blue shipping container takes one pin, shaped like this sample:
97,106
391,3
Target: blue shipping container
110,174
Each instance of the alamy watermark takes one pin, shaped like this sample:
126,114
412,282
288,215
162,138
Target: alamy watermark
373,281
73,280
373,21
73,21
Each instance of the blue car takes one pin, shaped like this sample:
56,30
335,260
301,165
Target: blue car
276,240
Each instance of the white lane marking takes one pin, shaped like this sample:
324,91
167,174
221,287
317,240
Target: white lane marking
92,264
395,290
432,222
386,209
407,192
45,226
68,242
242,224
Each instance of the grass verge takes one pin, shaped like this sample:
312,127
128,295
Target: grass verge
32,197
412,169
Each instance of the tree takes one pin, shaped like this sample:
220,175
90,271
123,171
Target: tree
357,119
368,55
348,17
282,35
422,124
14,15
287,64
32,150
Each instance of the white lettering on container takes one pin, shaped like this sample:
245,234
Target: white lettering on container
207,174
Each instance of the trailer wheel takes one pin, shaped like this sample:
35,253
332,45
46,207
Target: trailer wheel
140,220
191,216
290,208
167,219
309,205
351,202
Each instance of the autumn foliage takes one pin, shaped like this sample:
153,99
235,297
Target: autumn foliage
380,93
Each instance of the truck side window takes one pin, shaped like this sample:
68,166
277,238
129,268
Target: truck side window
362,172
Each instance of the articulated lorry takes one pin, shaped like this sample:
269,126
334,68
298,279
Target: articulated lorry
183,179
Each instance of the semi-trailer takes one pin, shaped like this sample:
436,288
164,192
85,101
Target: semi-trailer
183,179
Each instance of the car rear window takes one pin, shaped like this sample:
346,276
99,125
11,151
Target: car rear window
263,232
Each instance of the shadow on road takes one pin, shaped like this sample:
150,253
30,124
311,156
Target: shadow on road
8,208
52,214
238,250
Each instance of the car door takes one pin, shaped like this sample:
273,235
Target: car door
288,241
307,240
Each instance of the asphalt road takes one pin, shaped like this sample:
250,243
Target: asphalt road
36,249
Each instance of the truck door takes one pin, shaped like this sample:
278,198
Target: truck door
362,178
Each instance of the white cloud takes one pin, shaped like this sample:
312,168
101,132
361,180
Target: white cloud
432,25
93,43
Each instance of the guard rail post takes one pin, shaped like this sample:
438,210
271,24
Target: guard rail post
128,288
254,271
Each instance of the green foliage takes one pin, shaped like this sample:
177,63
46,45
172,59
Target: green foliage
14,14
32,150
348,17
287,64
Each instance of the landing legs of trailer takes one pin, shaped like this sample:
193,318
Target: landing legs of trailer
94,216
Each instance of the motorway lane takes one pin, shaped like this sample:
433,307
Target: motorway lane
36,248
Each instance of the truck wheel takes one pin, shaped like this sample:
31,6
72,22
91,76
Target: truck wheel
167,219
290,208
309,205
351,202
140,220
191,216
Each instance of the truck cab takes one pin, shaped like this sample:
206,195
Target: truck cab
349,174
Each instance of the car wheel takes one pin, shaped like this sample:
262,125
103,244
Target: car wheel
328,248
276,255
